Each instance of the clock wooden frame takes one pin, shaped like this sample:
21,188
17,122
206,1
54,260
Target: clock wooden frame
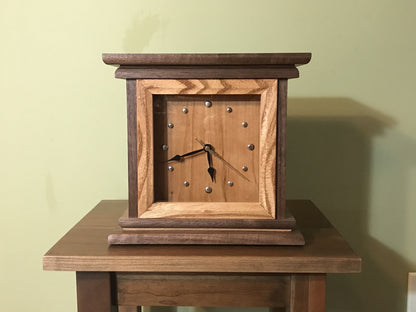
146,207
264,222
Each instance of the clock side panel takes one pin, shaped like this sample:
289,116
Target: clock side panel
230,124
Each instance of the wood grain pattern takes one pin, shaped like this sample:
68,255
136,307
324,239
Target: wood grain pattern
195,236
206,86
132,59
204,290
207,72
307,293
213,125
85,248
267,89
317,291
299,293
132,146
144,148
129,223
267,161
195,210
281,150
93,292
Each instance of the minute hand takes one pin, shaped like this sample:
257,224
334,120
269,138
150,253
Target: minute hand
227,164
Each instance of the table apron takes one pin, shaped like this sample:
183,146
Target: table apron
298,291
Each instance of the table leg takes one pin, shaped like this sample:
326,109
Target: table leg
94,291
307,293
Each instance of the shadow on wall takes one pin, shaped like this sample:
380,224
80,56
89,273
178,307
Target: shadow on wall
329,161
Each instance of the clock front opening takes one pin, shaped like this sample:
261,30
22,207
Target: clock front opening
206,148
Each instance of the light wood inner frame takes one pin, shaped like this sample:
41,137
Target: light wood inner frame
266,207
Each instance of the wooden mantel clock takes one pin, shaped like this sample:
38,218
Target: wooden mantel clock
206,148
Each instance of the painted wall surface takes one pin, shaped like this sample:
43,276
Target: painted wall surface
351,123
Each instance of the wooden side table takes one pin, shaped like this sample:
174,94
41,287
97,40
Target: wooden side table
127,277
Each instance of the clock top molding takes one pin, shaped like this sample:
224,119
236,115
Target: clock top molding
206,58
206,65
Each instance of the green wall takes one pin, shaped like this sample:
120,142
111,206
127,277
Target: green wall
351,141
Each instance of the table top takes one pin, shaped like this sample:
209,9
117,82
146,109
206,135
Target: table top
85,248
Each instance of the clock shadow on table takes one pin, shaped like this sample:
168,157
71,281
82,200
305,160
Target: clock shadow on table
329,160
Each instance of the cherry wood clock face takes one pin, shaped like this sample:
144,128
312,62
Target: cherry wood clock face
206,148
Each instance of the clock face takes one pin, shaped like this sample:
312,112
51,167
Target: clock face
206,148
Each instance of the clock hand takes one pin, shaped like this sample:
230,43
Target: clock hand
228,164
200,142
211,169
208,148
180,157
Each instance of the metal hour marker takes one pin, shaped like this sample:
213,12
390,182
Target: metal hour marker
186,183
244,168
230,183
170,168
208,103
208,189
185,110
229,109
170,125
165,147
250,147
244,124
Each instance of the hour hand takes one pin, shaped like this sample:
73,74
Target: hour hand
211,169
181,157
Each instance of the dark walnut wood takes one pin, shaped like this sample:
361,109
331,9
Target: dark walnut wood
133,59
94,291
132,145
133,223
207,72
122,278
215,236
198,289
207,66
85,248
280,173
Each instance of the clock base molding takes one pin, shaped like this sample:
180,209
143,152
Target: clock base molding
198,236
139,223
197,231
